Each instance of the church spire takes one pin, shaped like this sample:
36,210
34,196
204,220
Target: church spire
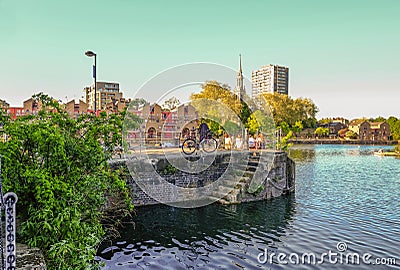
240,91
240,63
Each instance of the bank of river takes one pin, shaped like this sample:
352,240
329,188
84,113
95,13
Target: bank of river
343,194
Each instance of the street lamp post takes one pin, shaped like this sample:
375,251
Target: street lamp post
91,54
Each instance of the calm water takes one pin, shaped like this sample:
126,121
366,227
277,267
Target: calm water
343,194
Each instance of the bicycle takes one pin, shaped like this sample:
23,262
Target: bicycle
208,144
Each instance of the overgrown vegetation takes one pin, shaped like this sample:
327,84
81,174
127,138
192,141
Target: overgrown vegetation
58,167
397,148
256,190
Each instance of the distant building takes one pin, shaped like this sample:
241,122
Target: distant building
76,108
186,116
370,131
161,126
4,105
31,106
341,120
106,92
334,128
380,131
240,90
270,79
15,112
117,104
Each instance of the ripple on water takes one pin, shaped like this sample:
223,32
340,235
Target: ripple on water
343,194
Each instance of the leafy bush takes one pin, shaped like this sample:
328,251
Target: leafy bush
351,135
397,148
58,168
321,132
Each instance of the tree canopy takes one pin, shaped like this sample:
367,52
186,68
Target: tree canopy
322,132
217,91
171,104
288,110
394,124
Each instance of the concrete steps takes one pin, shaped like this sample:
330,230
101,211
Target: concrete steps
29,258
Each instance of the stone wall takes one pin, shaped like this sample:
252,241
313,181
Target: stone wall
232,177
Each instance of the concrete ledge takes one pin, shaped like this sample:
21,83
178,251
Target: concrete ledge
29,258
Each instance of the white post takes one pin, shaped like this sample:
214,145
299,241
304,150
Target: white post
10,200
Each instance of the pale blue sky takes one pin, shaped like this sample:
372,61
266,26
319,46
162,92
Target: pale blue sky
342,54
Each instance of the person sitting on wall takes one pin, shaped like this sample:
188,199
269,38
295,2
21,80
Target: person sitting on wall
259,141
252,143
228,142
239,142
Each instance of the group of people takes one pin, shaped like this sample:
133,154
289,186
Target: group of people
257,143
232,142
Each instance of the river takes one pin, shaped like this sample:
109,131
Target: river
347,202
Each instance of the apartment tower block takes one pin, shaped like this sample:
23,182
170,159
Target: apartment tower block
270,79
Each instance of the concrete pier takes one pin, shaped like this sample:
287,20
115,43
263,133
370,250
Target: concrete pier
252,176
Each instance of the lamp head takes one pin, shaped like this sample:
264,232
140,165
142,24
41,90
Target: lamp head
90,53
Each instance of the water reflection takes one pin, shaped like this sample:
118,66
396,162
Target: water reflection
210,236
343,193
302,153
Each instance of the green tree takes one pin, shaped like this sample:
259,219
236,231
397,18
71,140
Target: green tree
138,102
397,149
394,124
298,127
252,124
231,127
378,119
58,168
324,121
391,121
245,113
284,142
284,127
217,91
171,104
259,122
286,109
321,132
351,135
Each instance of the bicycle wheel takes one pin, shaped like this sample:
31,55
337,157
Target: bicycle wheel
209,145
189,146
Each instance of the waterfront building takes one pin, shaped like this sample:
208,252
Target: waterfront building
370,131
334,128
270,79
106,92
